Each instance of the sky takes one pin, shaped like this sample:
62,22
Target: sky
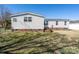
52,11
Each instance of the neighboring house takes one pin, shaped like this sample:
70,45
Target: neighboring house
58,23
27,21
74,24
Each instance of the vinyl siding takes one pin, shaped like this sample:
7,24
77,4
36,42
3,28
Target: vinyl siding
60,24
37,22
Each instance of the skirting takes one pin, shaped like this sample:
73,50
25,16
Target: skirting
27,29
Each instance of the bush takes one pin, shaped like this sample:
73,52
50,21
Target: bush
70,50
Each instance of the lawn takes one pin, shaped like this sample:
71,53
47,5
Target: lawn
69,33
57,42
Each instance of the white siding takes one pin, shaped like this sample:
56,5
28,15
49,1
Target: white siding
60,24
74,26
37,22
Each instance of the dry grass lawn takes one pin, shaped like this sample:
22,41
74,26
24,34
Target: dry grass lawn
19,42
69,33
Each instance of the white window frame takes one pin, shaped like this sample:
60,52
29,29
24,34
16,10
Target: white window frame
28,19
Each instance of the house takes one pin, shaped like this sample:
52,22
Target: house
74,24
27,21
32,21
58,23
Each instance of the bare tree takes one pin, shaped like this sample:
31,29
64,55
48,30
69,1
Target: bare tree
4,16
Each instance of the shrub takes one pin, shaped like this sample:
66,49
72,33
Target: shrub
70,50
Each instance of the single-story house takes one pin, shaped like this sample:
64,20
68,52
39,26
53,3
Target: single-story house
58,23
27,21
32,21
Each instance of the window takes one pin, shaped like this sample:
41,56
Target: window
14,20
56,22
25,19
29,19
65,23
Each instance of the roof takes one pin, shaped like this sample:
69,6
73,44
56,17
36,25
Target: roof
57,19
74,21
26,13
